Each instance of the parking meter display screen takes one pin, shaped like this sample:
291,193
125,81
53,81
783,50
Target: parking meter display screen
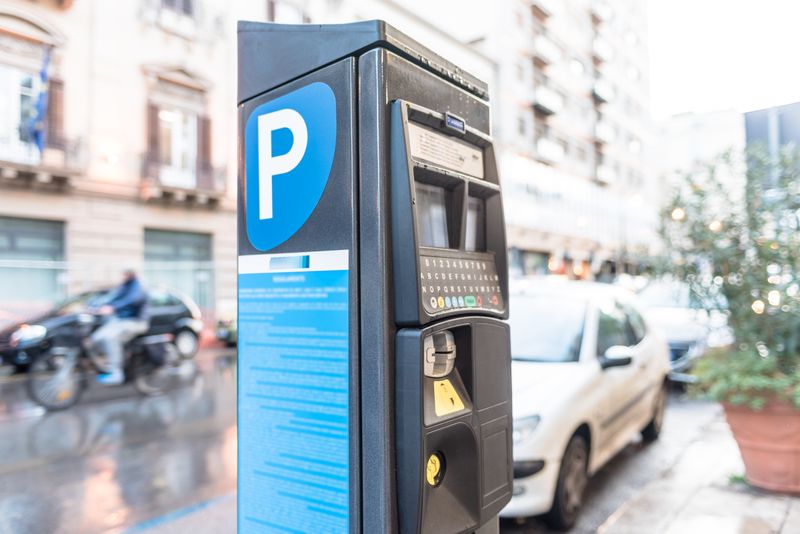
475,239
432,216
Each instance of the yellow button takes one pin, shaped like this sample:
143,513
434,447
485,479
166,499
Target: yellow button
441,302
434,469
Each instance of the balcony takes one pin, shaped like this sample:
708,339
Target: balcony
549,151
543,8
603,91
604,132
22,164
547,101
602,11
605,174
200,185
602,50
546,50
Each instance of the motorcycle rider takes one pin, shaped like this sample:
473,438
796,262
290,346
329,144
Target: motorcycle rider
128,308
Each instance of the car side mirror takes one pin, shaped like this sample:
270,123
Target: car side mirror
616,356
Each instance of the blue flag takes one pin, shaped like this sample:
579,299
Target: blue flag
36,127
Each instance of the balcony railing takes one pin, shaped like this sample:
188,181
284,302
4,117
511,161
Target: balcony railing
604,132
605,174
547,101
58,163
544,7
198,184
549,150
603,91
602,11
602,49
546,49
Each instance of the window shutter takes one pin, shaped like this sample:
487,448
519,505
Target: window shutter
55,114
152,158
204,174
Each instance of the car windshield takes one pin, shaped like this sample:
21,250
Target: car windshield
666,295
80,302
546,328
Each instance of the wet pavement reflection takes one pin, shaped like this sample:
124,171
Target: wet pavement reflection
117,458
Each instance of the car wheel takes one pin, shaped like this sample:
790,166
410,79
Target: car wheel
653,428
187,343
572,480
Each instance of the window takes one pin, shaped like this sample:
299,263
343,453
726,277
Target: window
547,328
19,91
180,261
612,328
178,146
178,137
636,324
32,250
522,126
184,7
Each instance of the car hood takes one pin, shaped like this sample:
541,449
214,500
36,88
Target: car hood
680,325
48,320
539,388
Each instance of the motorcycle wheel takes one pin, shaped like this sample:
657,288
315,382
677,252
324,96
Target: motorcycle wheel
56,380
151,379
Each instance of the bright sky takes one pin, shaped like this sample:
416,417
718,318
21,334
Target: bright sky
720,54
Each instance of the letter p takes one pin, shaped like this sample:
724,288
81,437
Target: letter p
270,166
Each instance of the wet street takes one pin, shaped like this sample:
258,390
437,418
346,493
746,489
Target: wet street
120,462
117,458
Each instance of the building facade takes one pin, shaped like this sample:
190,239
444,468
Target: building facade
572,116
133,161
773,127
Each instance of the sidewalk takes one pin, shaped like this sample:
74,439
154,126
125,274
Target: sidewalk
703,493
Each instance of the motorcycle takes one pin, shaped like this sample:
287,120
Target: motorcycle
59,374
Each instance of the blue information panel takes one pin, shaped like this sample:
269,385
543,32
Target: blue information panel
293,394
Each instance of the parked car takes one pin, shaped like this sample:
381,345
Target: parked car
689,329
589,376
170,313
227,331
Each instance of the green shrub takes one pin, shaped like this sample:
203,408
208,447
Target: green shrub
732,233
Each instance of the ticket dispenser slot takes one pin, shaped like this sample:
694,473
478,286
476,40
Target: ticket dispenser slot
453,408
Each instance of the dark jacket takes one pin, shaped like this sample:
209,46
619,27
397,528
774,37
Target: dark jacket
130,300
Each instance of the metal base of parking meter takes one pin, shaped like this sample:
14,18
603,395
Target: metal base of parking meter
374,368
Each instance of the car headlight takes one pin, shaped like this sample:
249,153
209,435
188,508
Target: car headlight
28,333
524,428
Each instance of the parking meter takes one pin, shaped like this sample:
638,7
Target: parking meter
374,390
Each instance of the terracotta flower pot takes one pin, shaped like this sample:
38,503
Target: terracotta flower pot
769,440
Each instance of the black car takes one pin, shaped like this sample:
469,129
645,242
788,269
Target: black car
169,312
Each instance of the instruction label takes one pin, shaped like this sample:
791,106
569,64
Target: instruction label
448,152
293,393
445,398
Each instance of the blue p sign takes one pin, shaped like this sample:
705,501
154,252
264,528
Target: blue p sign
289,148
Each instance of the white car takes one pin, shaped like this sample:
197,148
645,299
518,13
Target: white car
589,375
689,329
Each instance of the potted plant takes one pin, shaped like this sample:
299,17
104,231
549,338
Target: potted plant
732,233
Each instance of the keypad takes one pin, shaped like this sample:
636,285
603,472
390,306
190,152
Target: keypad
450,284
